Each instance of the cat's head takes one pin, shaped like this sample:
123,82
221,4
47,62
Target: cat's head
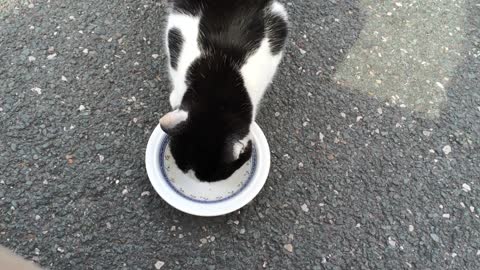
210,129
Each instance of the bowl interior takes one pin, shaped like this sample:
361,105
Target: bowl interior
189,187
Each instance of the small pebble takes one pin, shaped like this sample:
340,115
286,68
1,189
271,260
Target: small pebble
31,58
159,265
155,56
125,191
145,193
435,237
242,231
81,108
37,217
203,240
37,90
410,228
305,208
466,187
447,149
288,247
446,215
392,242
51,56
64,78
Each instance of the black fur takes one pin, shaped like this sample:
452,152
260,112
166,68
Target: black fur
218,105
235,28
220,113
277,32
175,43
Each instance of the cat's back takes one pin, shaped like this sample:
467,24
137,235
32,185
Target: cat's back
234,26
249,33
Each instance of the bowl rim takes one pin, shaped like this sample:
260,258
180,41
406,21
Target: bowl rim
243,197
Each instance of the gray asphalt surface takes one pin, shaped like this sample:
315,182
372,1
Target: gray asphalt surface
370,169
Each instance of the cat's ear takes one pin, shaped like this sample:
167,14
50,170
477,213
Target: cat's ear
174,121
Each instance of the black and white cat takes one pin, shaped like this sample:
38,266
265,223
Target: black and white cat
223,55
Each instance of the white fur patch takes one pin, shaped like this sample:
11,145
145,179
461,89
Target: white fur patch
239,147
259,71
279,9
189,27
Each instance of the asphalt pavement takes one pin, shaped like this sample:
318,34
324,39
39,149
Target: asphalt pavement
373,121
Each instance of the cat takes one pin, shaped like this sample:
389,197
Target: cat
223,54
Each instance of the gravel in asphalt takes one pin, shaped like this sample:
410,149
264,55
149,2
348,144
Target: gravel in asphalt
369,170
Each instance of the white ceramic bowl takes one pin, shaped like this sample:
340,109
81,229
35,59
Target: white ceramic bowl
187,194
